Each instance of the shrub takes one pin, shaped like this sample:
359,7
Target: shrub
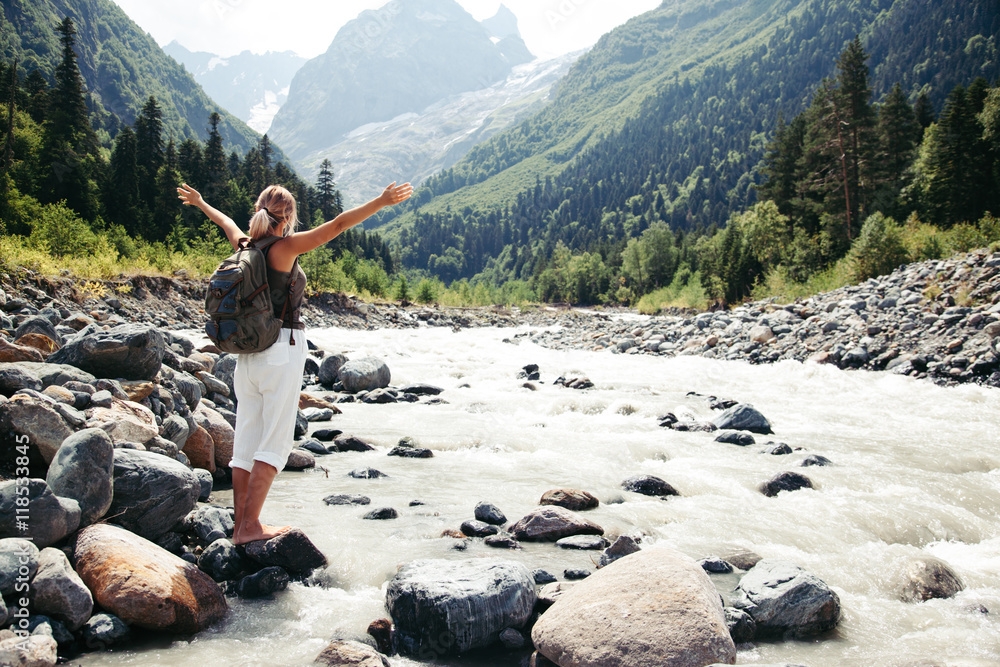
426,292
878,249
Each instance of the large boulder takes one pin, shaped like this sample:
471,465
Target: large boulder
144,584
329,369
34,421
47,373
442,607
743,417
16,554
128,351
786,601
551,523
364,375
49,518
152,492
38,324
32,651
14,352
654,607
125,421
82,470
222,433
926,577
291,550
58,592
572,499
13,378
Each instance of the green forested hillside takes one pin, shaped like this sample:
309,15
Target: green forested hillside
121,67
667,121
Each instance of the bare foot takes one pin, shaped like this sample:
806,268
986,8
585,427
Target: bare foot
258,531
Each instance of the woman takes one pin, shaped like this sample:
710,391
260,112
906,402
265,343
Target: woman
267,383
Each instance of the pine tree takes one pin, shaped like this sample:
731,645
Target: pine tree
149,149
857,120
215,167
329,197
898,134
122,192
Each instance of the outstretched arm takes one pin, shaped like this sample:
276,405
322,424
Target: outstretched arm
302,242
192,197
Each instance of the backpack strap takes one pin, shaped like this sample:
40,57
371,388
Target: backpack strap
264,245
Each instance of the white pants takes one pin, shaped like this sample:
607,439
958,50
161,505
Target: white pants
267,392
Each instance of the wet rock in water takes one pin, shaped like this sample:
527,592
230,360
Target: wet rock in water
715,565
348,443
735,438
741,559
300,459
421,389
501,541
785,481
347,499
548,524
450,607
658,609
51,518
223,561
927,578
382,514
743,417
582,542
129,351
777,449
649,485
575,382
32,651
815,460
35,422
380,396
102,631
314,447
576,574
318,414
326,434
145,585
407,448
82,469
572,499
529,372
742,627
476,528
381,631
622,547
209,523
366,473
365,374
15,554
264,583
786,601
291,550
489,513
350,653
543,577
301,425
329,369
58,591
152,493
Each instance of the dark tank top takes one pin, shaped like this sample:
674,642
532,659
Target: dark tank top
278,282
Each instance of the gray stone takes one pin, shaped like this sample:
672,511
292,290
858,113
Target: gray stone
421,389
743,417
50,518
366,473
300,459
364,375
582,542
209,523
347,499
16,554
291,550
49,372
348,443
318,414
655,607
926,578
38,324
225,370
213,384
350,654
264,583
742,627
190,388
489,513
34,421
102,631
572,499
33,651
447,607
13,378
152,493
785,481
82,470
207,482
57,590
476,528
715,565
382,514
786,601
176,430
649,485
222,561
129,351
622,547
329,369
550,523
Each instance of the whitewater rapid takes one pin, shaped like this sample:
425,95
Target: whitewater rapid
916,471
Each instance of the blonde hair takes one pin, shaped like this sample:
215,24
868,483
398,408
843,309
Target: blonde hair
276,213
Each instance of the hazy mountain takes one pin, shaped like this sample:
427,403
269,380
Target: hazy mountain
121,64
251,86
413,147
399,59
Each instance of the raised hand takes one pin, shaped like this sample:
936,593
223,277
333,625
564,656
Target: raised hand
394,194
189,195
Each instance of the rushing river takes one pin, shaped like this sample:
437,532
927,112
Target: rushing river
917,471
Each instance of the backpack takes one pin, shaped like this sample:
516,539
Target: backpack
238,301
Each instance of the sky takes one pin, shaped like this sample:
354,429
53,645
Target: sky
227,27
